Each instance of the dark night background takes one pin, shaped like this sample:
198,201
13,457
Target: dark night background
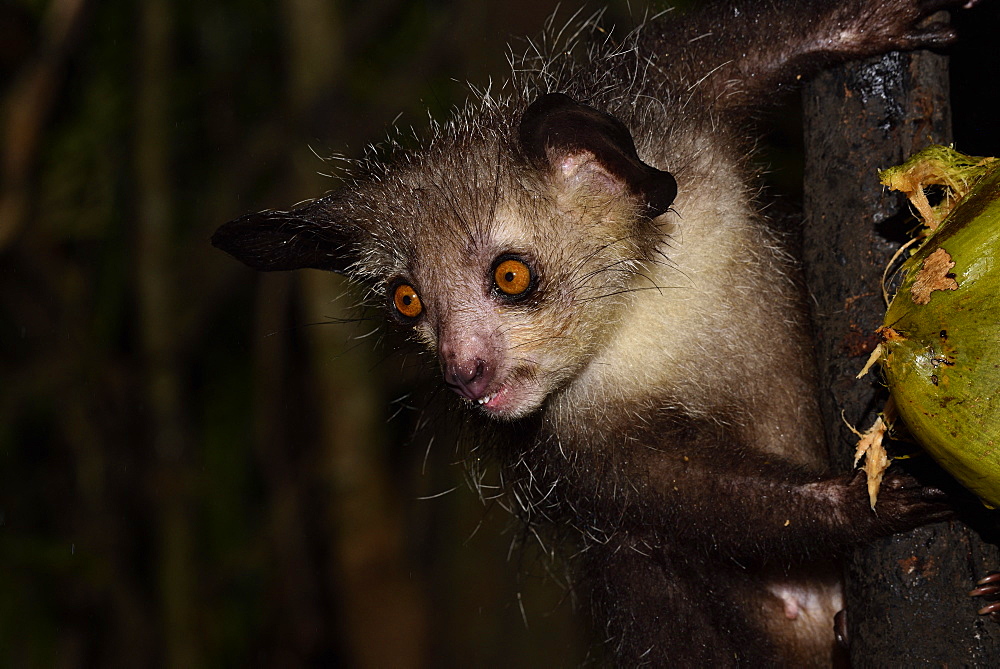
197,463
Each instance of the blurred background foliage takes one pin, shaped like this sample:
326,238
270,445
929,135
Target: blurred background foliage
197,465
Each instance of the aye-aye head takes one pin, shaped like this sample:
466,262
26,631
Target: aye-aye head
507,248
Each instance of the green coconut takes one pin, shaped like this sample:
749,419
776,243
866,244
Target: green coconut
940,345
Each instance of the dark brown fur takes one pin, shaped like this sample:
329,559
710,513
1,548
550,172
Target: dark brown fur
655,380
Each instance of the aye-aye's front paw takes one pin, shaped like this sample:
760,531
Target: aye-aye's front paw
904,502
900,25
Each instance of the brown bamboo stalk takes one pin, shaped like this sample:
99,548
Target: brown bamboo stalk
26,110
170,478
385,621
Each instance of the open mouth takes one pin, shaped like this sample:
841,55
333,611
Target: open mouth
511,398
493,400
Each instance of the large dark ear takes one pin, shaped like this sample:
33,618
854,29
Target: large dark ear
559,133
281,240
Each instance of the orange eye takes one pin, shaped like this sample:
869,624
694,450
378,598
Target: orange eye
512,277
406,301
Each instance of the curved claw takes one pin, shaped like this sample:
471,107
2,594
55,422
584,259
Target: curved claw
985,591
990,609
840,629
934,36
929,6
992,577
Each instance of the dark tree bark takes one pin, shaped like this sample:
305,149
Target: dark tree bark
906,595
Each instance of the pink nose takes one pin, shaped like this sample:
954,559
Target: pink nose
469,378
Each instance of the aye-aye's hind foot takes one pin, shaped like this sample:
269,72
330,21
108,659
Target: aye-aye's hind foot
989,587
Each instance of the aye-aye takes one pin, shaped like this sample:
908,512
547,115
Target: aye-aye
583,253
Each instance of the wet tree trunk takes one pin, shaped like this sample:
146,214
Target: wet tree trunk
906,595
